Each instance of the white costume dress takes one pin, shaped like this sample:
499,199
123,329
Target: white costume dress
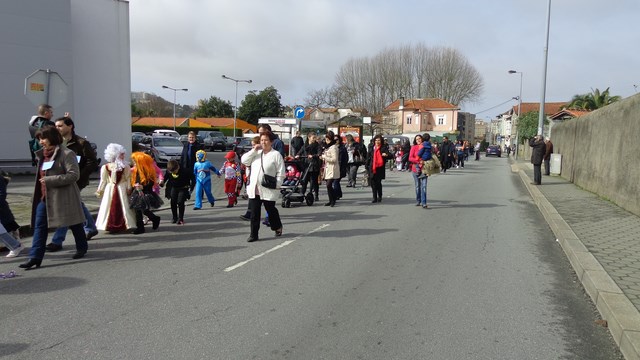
114,214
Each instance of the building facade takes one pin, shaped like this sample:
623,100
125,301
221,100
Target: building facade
87,44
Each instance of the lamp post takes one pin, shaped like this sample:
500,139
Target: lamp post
174,102
519,109
235,110
544,74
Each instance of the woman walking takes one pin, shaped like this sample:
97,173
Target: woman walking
264,160
312,152
419,178
114,214
376,160
56,197
331,166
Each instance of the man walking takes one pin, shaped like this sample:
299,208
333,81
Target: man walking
296,144
547,156
88,163
537,153
188,157
45,113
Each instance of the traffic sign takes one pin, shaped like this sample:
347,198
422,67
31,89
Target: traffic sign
299,112
46,87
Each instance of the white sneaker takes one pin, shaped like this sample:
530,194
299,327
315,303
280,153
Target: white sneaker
16,252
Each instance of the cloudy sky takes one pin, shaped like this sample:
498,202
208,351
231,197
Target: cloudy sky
298,46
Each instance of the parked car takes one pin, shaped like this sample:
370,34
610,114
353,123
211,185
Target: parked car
166,133
137,136
493,150
164,148
233,141
213,140
243,146
185,139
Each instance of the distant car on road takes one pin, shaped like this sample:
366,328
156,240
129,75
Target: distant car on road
233,141
213,140
243,146
494,150
166,133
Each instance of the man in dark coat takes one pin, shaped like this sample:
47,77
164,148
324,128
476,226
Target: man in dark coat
537,154
297,143
188,157
446,153
88,163
45,113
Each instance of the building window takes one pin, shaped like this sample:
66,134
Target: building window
441,120
409,120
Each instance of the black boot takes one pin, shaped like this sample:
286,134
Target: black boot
31,263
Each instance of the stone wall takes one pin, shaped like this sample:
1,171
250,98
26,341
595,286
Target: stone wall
601,152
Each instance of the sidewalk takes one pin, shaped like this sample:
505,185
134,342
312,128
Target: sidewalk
600,240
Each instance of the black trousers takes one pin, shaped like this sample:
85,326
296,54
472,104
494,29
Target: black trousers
255,206
178,198
537,174
312,177
376,186
139,217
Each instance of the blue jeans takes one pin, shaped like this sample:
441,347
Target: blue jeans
89,226
40,234
9,241
421,187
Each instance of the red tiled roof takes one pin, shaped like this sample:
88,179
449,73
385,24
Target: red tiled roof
421,105
550,108
570,112
213,122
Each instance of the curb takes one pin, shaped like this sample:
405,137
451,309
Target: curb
623,318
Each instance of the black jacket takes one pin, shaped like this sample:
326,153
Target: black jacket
380,171
88,160
314,150
187,162
538,150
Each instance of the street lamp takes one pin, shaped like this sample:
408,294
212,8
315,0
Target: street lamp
174,102
519,109
235,110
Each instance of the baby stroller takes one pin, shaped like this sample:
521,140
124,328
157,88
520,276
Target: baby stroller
291,188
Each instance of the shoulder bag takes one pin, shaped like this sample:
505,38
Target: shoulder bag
268,181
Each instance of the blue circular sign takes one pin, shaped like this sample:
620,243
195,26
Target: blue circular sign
299,112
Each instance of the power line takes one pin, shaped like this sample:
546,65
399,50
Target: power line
493,107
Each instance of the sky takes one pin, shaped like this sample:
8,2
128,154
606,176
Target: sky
299,46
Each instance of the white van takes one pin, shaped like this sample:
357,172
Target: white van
166,133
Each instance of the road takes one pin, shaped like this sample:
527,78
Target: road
478,275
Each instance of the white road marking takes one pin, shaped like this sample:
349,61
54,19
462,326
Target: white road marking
242,263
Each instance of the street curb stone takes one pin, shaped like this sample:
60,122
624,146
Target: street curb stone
623,318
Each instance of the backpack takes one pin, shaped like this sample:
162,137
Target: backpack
34,144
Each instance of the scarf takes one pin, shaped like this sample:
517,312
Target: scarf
377,160
47,154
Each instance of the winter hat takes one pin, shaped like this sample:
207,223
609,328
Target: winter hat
230,155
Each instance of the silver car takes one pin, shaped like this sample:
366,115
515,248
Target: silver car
168,148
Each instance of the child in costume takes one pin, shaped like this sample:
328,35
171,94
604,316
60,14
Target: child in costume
143,178
292,175
178,181
232,178
202,170
114,188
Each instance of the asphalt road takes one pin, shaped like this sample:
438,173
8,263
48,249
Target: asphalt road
477,276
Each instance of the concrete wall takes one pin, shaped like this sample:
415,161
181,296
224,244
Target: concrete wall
87,44
601,152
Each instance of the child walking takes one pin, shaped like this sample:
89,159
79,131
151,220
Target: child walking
232,178
178,181
202,170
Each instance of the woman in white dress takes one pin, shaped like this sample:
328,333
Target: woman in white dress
114,189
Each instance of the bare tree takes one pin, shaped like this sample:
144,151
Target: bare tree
407,71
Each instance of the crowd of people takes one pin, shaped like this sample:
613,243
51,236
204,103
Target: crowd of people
130,186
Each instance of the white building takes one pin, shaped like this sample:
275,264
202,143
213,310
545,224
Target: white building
87,44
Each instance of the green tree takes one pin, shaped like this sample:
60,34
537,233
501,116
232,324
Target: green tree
213,107
592,101
255,105
528,125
